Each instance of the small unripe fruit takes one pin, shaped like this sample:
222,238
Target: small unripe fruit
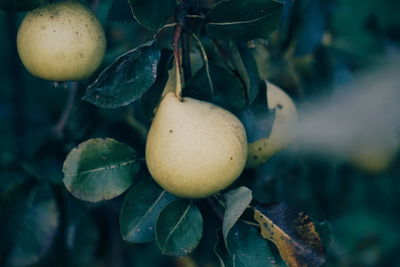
195,149
62,41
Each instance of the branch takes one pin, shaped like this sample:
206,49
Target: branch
60,126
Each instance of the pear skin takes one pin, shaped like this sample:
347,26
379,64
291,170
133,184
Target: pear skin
195,149
61,41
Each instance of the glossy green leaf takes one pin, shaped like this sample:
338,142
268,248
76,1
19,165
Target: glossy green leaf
246,67
126,79
236,203
179,228
100,169
243,20
247,248
19,5
228,90
139,212
152,14
152,97
29,221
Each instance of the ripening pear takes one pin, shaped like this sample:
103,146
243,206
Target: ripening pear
195,149
374,158
283,128
61,41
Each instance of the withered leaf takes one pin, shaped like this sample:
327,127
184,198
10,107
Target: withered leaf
293,232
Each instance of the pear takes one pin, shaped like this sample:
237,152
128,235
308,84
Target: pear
61,41
195,149
283,128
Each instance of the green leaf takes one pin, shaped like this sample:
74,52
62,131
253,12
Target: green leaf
247,248
243,20
179,228
126,79
100,169
152,14
19,5
29,220
258,118
246,67
139,212
237,202
152,97
228,93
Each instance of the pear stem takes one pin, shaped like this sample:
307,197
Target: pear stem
175,45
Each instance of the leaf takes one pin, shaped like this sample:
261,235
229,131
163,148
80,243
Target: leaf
247,69
237,202
99,169
81,235
247,248
229,92
152,97
19,5
139,212
243,20
126,79
293,232
152,14
179,228
258,118
29,221
217,249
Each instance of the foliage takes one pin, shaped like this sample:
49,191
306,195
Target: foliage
82,195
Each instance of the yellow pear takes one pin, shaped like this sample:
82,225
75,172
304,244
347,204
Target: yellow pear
373,159
195,149
283,128
62,41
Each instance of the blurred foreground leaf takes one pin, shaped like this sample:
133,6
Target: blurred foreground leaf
100,169
293,232
179,228
139,212
126,79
